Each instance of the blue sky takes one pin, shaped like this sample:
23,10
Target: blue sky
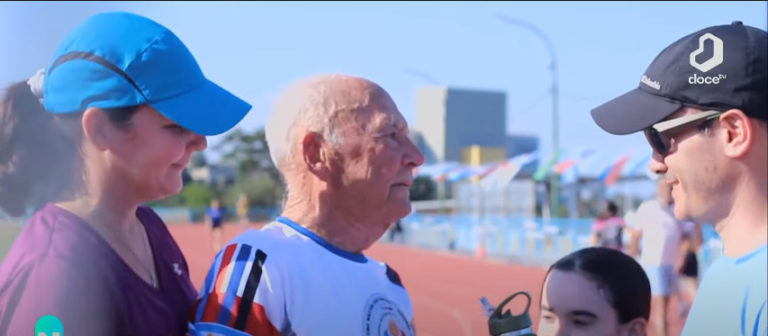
257,48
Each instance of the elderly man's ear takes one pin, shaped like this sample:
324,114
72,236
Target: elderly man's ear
315,153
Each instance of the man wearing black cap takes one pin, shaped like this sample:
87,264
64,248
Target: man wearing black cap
702,107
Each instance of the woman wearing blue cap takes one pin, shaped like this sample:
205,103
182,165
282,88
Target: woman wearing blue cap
108,126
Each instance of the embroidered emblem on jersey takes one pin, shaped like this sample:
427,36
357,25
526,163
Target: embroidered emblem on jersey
383,318
227,297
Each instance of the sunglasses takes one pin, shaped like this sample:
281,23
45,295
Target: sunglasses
662,143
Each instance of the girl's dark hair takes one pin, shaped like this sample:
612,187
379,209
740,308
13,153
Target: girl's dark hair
40,151
623,280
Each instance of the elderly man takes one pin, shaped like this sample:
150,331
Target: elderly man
343,149
702,105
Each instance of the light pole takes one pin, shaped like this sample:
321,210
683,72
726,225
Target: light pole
554,178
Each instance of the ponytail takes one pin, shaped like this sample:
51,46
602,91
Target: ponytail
37,160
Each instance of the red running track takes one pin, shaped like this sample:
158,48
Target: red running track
444,288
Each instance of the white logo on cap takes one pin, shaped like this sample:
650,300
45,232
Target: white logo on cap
717,54
652,83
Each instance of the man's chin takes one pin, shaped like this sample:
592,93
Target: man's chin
403,209
393,211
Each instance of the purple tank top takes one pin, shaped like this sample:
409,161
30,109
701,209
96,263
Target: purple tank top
60,266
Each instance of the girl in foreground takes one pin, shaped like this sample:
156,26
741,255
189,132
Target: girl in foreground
595,291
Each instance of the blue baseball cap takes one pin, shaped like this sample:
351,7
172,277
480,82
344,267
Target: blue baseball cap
121,59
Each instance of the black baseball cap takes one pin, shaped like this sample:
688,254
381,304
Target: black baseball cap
719,68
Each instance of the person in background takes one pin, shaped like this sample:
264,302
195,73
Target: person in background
608,229
688,269
662,238
396,230
242,207
214,217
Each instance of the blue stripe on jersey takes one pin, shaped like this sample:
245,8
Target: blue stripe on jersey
208,284
751,255
356,257
229,294
757,320
744,310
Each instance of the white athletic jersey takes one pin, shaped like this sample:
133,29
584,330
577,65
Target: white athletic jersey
285,280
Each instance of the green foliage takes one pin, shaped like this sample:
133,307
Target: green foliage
198,160
197,195
423,189
255,175
248,152
261,189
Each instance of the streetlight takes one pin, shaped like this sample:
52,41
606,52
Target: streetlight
554,179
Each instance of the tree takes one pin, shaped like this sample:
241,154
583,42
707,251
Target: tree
261,190
423,188
197,195
256,175
248,152
198,160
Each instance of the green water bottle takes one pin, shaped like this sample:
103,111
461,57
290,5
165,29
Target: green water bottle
506,324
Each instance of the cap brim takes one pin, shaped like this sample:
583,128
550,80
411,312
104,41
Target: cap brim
206,110
632,112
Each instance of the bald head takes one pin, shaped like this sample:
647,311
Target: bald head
312,105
